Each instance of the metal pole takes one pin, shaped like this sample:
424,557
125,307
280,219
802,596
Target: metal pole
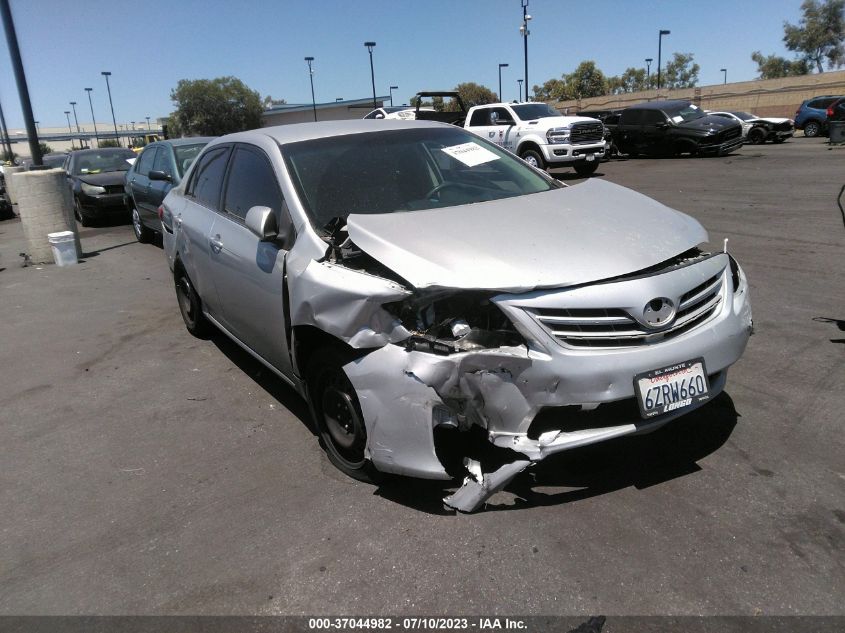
311,76
4,135
519,81
392,88
525,18
76,120
659,53
648,61
106,74
93,118
148,124
501,98
20,79
69,129
725,70
370,46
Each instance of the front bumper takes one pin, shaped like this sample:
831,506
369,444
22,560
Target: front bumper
723,148
405,395
103,205
569,154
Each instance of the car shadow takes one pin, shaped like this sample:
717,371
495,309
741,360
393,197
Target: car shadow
639,461
839,323
275,387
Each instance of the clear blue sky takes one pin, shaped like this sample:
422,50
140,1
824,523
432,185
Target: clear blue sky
421,45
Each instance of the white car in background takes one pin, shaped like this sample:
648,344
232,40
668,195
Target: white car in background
758,130
403,113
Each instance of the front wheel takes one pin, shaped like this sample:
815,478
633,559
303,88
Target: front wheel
337,415
142,233
812,129
585,168
756,136
533,158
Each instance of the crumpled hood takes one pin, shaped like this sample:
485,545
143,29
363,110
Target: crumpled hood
564,237
709,122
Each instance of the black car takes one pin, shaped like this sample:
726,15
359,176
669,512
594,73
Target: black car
96,179
159,168
670,128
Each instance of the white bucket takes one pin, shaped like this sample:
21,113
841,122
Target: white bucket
64,248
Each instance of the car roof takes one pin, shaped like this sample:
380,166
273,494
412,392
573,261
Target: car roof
296,132
189,140
662,105
100,150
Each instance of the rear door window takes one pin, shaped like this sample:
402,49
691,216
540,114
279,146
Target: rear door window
653,117
162,161
207,180
145,162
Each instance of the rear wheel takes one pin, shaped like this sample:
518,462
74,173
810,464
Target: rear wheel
142,233
337,415
190,305
812,129
756,135
533,158
585,168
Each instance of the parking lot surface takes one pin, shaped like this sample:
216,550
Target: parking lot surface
148,472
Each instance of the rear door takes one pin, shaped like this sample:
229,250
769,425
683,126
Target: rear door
249,274
656,136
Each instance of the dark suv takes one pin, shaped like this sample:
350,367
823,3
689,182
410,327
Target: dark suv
811,115
669,128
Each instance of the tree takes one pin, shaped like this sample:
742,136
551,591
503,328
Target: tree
586,81
108,142
472,94
772,66
213,107
680,72
820,33
552,90
268,102
632,80
44,148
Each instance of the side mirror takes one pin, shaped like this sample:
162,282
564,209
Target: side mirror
155,174
262,222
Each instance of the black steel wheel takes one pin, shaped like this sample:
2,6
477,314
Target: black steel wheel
756,135
337,415
190,305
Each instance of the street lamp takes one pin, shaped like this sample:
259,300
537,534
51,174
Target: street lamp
525,33
648,61
106,74
338,99
311,76
148,124
519,81
133,126
725,70
500,80
392,88
91,103
370,46
659,52
69,129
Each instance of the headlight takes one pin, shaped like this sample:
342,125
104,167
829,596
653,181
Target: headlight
92,190
557,135
447,324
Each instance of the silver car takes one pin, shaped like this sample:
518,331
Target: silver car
447,310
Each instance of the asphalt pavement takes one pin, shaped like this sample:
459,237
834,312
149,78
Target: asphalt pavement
144,471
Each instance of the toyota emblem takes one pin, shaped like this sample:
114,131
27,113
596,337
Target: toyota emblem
659,312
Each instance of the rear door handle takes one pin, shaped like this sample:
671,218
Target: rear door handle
216,244
178,221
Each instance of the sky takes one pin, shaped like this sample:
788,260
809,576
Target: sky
420,45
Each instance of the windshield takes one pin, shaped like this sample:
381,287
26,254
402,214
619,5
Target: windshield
100,162
185,155
403,170
688,112
533,111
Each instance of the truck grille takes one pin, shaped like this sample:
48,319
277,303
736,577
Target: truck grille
587,133
614,327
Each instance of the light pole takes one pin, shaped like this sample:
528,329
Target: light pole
338,99
392,88
648,61
525,33
91,103
519,81
370,46
148,124
659,53
106,74
500,81
76,120
69,129
725,70
311,77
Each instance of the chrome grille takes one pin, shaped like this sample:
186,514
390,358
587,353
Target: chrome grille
586,133
615,327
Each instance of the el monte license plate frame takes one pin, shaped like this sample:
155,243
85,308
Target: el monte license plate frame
678,387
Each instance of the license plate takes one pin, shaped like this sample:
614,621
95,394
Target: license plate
671,388
590,158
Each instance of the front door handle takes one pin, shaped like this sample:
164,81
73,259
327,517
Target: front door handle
216,244
178,220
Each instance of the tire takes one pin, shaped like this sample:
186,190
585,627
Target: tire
585,168
337,415
80,216
533,158
812,129
190,305
756,136
143,233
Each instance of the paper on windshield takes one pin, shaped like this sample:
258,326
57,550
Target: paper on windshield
677,119
470,154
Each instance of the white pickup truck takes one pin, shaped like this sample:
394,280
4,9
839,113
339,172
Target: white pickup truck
539,135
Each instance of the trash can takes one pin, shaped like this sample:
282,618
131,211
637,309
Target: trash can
837,131
64,248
